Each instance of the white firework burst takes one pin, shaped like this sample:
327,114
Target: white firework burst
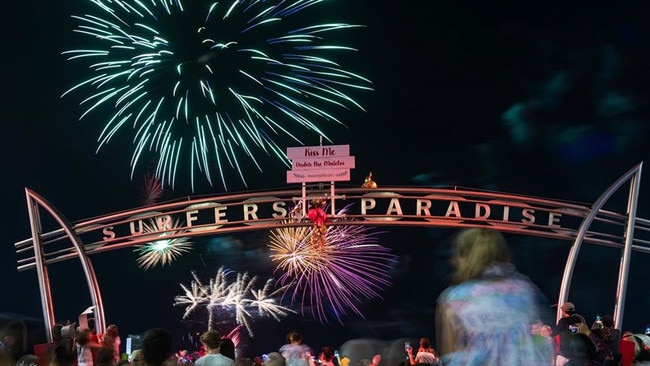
195,295
166,248
239,299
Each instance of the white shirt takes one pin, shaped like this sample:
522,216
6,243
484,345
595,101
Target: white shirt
214,359
84,356
425,357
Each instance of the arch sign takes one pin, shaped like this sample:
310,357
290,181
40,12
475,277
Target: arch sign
385,206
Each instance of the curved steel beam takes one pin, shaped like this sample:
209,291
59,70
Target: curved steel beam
634,176
33,201
41,269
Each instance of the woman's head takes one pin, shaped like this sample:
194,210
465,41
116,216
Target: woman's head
294,337
475,250
136,358
83,336
327,354
112,330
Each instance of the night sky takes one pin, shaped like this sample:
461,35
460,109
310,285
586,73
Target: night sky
545,99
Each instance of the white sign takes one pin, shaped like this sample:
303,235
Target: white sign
323,163
323,175
331,151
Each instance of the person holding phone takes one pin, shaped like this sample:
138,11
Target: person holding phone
426,354
585,347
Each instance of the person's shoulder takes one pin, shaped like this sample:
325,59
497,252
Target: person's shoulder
225,360
203,360
456,292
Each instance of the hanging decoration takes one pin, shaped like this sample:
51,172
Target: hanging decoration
318,217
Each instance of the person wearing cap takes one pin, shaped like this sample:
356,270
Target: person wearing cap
562,326
561,330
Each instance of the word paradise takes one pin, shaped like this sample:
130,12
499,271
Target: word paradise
389,207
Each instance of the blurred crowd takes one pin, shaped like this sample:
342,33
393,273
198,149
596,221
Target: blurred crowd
489,315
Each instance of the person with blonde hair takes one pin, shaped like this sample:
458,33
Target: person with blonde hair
485,316
136,358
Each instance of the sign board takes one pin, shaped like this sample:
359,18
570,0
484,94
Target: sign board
330,151
319,163
346,162
322,175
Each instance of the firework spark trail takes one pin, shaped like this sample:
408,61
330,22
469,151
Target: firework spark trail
351,268
194,296
239,298
152,190
248,74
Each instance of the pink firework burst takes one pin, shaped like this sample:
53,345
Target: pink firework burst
336,278
152,190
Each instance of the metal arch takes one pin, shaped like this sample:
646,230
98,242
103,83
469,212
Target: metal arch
33,201
634,176
586,214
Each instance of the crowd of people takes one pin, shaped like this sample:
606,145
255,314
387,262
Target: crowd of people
490,315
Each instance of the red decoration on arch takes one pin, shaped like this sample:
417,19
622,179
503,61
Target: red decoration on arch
318,216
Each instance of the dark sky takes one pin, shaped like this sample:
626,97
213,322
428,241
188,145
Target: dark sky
545,99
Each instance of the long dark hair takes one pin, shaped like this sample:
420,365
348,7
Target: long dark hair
83,336
327,353
227,348
294,336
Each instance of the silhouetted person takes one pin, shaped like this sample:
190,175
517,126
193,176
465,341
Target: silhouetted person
156,347
61,356
274,359
7,348
227,348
